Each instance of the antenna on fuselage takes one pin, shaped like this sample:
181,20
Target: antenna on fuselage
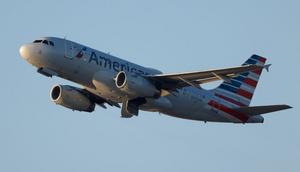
65,38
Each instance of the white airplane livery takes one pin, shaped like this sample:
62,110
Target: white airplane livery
108,80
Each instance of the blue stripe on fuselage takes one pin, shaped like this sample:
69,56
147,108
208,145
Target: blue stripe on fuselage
256,57
234,83
245,74
228,88
239,78
251,61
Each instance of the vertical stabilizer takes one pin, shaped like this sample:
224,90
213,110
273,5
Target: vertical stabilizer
238,91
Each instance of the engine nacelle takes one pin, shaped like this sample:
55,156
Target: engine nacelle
71,97
135,85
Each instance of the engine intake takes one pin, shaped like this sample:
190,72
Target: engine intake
135,85
71,97
121,79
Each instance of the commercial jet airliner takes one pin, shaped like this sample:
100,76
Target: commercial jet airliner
108,80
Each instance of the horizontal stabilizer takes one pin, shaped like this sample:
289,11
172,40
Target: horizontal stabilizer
258,110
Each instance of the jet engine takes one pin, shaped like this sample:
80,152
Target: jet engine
72,98
135,85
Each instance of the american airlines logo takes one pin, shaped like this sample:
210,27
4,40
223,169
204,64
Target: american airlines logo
106,62
81,53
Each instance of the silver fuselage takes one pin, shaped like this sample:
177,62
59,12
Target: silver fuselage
80,64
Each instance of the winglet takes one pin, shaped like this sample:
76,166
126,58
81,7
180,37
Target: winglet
267,67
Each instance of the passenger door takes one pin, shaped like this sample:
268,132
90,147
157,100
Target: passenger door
69,49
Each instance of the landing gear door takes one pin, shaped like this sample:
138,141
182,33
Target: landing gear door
69,49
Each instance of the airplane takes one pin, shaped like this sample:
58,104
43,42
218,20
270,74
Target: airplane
109,80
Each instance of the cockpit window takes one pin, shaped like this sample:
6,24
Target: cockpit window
45,42
51,43
37,41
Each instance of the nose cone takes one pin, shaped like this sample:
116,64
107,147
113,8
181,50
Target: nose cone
24,51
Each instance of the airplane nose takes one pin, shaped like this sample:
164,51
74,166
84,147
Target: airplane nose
24,52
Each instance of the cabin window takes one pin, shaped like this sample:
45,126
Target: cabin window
51,43
37,41
45,42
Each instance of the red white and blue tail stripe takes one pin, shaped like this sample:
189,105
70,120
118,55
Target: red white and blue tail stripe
238,91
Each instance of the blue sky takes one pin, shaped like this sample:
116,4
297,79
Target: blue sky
173,36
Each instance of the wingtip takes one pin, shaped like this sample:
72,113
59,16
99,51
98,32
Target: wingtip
285,106
267,67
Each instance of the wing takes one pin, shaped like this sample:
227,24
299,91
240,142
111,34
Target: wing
179,80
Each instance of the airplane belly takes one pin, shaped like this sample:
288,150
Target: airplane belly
105,85
156,105
194,110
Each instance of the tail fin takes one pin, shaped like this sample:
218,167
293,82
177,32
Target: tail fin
238,91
